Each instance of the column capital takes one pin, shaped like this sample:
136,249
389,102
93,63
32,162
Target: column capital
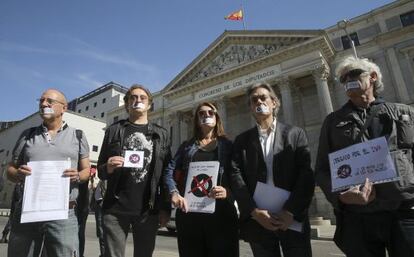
187,117
321,71
284,83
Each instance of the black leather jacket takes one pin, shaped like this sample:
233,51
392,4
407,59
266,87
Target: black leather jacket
393,121
112,146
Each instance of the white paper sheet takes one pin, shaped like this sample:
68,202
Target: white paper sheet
201,178
273,198
46,192
134,159
371,159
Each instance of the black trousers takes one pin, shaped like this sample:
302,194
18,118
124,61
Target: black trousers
293,243
371,234
207,235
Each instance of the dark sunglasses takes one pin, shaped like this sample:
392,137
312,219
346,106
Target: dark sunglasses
353,74
49,101
256,98
206,113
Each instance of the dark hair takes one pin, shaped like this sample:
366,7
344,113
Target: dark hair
132,88
218,129
272,94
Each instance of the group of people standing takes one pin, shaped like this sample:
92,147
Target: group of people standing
370,218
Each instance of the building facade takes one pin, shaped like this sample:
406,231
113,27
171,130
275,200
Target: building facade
97,103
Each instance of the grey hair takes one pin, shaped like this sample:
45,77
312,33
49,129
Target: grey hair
272,94
352,63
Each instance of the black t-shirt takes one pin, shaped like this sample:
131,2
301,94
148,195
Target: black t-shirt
133,188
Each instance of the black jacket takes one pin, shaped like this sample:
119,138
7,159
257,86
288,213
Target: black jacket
341,129
291,169
112,146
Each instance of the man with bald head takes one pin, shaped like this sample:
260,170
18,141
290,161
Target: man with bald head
53,140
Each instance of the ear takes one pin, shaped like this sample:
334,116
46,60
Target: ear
373,76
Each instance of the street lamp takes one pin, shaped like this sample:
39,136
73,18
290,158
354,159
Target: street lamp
342,25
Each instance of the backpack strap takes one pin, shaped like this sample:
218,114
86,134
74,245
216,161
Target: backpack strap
374,111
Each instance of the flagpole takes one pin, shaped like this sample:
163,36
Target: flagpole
244,15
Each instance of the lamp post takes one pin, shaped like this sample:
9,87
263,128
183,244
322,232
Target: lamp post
342,25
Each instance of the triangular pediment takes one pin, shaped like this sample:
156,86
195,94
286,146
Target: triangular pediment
237,48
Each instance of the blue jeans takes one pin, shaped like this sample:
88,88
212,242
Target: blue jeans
59,238
116,228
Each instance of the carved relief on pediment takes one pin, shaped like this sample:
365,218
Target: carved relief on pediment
233,56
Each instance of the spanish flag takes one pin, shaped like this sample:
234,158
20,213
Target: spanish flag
235,16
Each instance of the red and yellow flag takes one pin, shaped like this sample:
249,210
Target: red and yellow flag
235,16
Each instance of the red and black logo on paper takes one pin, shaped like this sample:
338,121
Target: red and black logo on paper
134,158
201,185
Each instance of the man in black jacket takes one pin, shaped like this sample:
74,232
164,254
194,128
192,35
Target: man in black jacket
135,195
276,154
370,218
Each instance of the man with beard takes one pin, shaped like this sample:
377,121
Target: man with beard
53,140
135,196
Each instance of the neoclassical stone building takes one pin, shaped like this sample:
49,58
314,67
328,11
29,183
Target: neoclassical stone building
299,64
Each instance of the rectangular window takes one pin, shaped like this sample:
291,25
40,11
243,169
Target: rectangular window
102,115
7,153
87,108
346,44
95,104
79,110
115,119
407,19
95,148
103,100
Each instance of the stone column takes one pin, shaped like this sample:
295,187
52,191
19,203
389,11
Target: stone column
287,102
410,65
174,119
400,86
186,126
222,110
320,75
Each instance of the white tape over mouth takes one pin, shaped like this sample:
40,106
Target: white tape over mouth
138,106
207,120
47,110
262,109
352,85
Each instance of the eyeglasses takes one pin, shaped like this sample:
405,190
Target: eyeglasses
353,74
136,97
255,98
49,101
207,113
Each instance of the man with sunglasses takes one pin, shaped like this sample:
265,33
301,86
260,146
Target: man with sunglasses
133,156
53,140
370,218
278,155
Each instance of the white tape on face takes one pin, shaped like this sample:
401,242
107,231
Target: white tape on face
262,109
138,106
207,120
47,110
352,85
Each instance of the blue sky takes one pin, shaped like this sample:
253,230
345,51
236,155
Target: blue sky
79,45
